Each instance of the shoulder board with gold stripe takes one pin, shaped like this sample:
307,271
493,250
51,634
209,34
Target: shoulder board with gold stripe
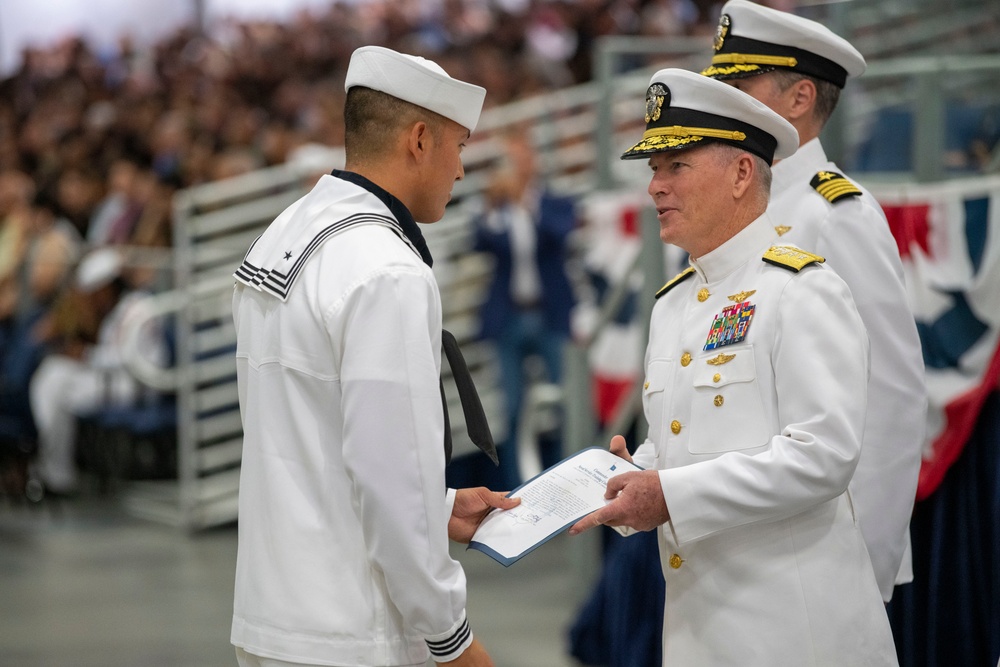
675,281
833,186
790,257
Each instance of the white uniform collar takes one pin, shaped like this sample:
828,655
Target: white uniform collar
750,242
803,163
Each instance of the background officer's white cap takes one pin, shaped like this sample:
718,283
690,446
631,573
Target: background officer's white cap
752,39
684,110
418,81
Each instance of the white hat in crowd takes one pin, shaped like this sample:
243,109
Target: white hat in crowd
418,81
684,110
751,39
97,269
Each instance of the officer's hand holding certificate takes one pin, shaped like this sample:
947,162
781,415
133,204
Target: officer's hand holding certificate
550,503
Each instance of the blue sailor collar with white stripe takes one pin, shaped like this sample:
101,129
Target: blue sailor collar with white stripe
396,207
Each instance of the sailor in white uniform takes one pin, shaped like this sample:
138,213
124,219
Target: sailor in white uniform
344,518
755,394
798,67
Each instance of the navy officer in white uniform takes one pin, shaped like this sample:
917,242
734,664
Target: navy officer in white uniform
798,67
755,392
344,517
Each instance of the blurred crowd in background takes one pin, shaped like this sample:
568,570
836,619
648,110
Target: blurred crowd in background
94,143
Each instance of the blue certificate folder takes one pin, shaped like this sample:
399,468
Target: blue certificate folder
551,502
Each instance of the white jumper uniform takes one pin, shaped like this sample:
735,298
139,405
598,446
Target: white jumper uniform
854,237
343,511
755,396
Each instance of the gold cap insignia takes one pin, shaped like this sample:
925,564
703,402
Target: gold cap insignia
782,229
721,31
656,95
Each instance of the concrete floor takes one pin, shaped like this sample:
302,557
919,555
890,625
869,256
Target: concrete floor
82,584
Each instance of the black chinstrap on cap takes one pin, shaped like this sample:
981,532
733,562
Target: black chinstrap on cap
755,140
806,62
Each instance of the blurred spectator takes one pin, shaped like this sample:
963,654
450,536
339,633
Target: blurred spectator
36,258
45,247
88,374
526,228
115,206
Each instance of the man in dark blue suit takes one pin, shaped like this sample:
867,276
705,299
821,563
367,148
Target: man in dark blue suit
527,229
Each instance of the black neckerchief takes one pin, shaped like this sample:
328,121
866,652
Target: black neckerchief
396,207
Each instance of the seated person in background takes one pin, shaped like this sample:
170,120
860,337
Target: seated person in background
38,255
88,373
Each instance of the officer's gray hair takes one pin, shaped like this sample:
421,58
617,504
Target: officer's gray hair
727,153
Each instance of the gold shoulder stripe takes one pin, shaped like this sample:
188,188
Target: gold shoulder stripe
676,280
833,186
790,257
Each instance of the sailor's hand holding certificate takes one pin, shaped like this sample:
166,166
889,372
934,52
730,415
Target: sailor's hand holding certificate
550,503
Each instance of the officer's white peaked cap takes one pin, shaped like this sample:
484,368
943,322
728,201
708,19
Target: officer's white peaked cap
684,110
418,81
751,39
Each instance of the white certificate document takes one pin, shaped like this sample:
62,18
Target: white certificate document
551,502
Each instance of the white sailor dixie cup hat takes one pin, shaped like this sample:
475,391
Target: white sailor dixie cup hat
684,110
418,81
751,39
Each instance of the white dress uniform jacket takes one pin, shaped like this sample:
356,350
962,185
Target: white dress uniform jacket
756,440
343,510
854,237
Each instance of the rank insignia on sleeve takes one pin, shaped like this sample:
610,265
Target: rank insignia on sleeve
833,186
790,257
730,326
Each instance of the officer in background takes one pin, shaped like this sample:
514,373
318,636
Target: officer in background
344,517
755,393
798,67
